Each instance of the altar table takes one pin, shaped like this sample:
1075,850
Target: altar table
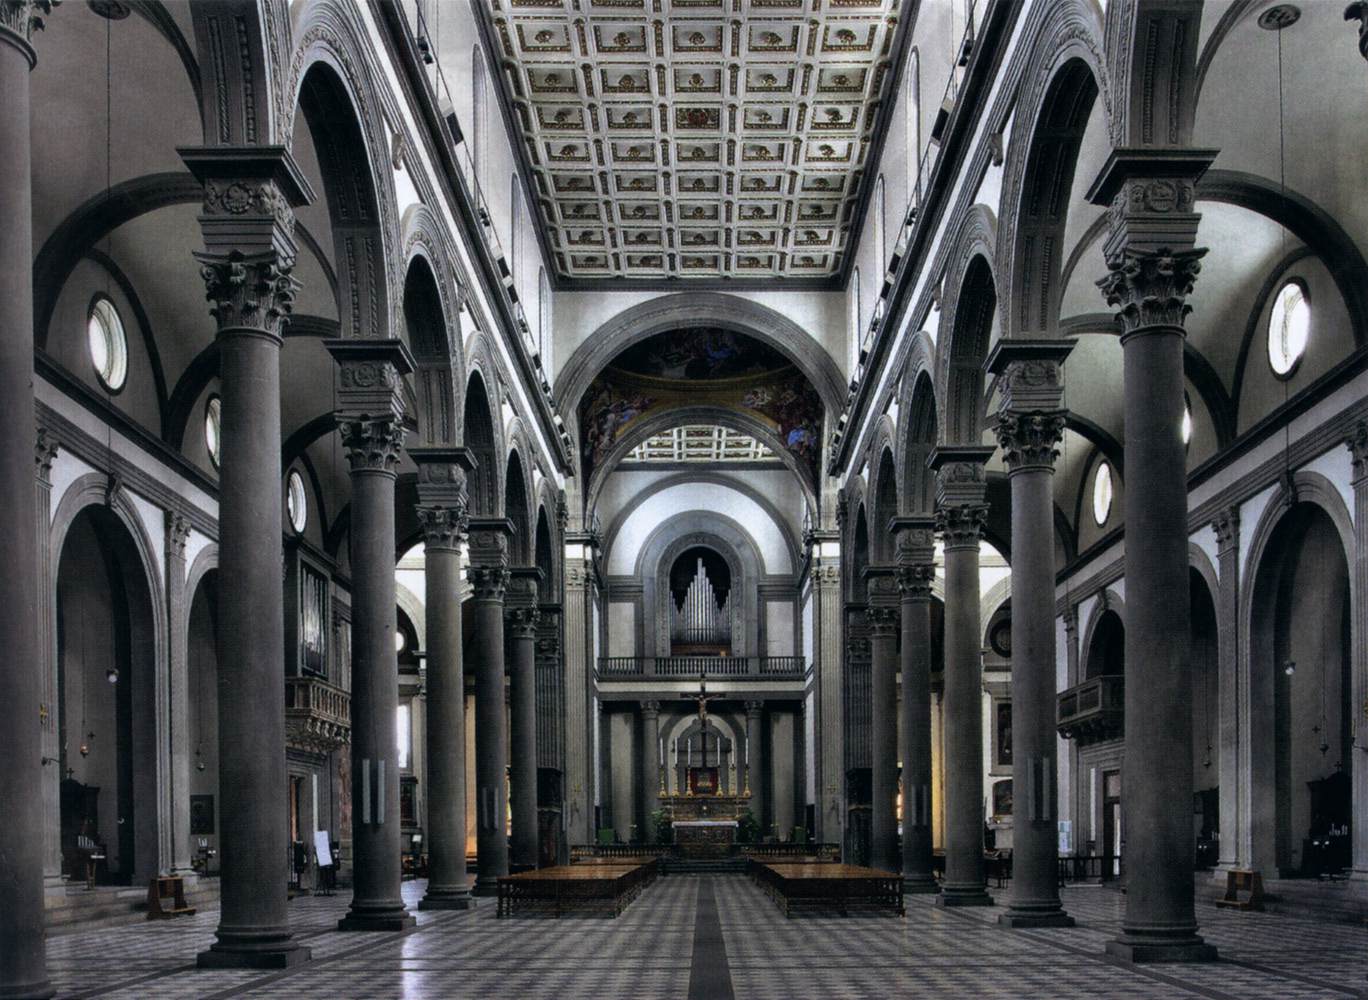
704,838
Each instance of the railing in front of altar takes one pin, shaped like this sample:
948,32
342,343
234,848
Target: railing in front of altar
776,667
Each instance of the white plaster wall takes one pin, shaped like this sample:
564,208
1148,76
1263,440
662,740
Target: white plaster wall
621,629
778,628
778,486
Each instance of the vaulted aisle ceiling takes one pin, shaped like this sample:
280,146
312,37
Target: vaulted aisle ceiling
697,138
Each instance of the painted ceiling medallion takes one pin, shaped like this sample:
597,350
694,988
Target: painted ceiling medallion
780,102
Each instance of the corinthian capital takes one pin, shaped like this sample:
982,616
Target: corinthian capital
914,581
443,527
522,622
882,621
1359,11
254,293
488,582
1150,287
961,525
372,444
1029,440
1226,524
24,17
1357,443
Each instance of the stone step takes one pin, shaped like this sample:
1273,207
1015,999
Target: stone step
75,908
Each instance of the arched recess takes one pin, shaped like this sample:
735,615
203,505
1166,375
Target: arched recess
202,678
341,110
688,310
516,509
1035,202
1296,602
109,611
431,317
884,506
544,557
665,420
859,555
485,483
1104,640
970,317
724,734
918,438
728,539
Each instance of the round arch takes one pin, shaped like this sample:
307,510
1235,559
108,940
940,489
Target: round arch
665,420
483,439
688,310
970,318
431,305
729,541
918,435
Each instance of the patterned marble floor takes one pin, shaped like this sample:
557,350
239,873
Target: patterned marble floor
649,954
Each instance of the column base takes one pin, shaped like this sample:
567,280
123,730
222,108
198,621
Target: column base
221,956
1143,950
378,918
920,885
964,896
485,885
34,991
1035,918
447,899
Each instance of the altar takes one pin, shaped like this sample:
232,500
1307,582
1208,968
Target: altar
704,838
691,807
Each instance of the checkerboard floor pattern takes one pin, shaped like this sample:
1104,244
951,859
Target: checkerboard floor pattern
646,953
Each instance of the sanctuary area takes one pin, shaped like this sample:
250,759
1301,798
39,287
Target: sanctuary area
693,499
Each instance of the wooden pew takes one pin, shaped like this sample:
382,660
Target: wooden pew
819,886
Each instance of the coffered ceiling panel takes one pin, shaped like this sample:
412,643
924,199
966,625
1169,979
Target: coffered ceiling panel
696,139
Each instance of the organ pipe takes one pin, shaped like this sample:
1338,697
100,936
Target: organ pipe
701,620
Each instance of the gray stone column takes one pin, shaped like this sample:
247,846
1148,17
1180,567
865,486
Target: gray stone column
960,514
177,628
1077,804
1152,269
1233,694
755,761
883,755
828,645
916,573
1030,425
1357,444
441,512
650,767
45,453
488,576
520,623
579,695
370,417
29,713
246,267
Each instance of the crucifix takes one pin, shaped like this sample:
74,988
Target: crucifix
702,698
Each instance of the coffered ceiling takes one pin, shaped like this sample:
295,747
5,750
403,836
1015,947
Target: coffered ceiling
696,139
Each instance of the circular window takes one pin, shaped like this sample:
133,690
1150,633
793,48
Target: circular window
296,501
400,640
213,436
108,344
1102,493
1187,423
1289,326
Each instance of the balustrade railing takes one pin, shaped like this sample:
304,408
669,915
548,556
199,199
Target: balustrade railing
712,666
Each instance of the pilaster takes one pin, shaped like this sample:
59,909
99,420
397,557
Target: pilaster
916,573
829,795
1357,443
44,454
177,624
1233,708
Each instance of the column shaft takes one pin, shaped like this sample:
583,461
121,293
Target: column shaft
22,958
916,571
1233,690
755,762
965,878
448,884
253,920
377,870
523,738
488,575
883,760
177,618
650,768
579,721
1358,624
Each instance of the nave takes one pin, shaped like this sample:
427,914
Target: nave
719,938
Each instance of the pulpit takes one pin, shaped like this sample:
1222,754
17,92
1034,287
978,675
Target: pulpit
704,838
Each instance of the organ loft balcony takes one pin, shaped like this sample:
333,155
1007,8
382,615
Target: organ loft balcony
1094,710
317,715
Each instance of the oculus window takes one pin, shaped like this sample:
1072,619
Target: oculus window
1102,493
1289,328
296,501
213,428
108,344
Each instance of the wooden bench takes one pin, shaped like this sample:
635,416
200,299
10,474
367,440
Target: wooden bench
826,885
602,887
166,898
1240,880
